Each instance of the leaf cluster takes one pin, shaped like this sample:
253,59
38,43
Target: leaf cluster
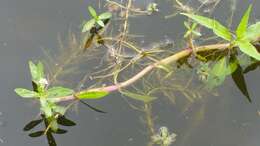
61,120
242,38
46,96
96,19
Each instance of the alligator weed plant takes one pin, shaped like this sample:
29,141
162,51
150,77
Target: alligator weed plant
238,55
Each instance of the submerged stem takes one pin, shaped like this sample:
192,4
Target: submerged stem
168,60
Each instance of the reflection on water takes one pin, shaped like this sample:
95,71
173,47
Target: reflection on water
198,117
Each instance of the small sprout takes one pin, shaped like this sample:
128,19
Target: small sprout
96,19
164,137
152,7
191,29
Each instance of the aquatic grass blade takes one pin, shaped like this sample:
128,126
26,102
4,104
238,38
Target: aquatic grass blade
62,120
91,107
212,24
247,48
32,124
140,97
36,134
242,27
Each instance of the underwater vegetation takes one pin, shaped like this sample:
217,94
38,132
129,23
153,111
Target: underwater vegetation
161,69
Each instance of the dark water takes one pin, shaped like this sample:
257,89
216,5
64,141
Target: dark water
29,25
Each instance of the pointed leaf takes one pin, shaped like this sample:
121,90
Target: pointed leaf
25,93
253,32
32,124
239,80
252,67
92,12
40,70
212,24
105,15
242,27
140,97
62,120
247,48
91,94
60,131
36,134
101,23
51,140
34,72
88,25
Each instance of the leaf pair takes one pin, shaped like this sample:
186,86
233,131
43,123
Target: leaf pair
95,19
244,34
62,120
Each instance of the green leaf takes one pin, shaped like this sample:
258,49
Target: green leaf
92,12
231,67
59,91
37,71
238,78
32,124
51,140
253,32
217,74
242,27
140,97
91,94
62,120
60,131
36,134
88,25
247,48
212,24
220,67
34,71
40,70
105,15
101,23
26,93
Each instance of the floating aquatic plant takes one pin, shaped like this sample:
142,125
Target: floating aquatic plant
164,137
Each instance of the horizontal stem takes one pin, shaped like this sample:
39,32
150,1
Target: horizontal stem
168,60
